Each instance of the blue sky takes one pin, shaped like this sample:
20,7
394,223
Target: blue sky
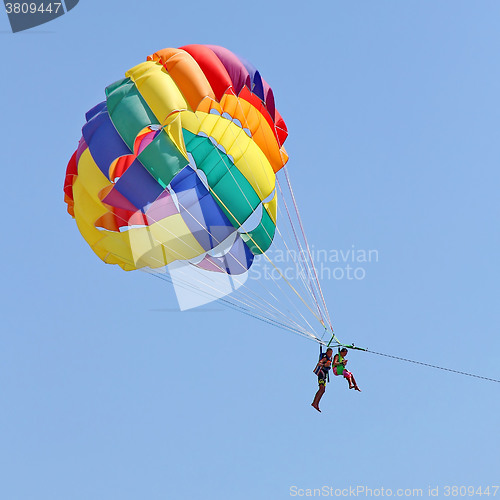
392,110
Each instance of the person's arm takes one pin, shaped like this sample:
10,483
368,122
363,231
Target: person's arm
336,360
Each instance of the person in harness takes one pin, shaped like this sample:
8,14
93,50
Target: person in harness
321,370
339,368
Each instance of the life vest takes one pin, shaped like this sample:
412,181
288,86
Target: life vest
323,367
339,369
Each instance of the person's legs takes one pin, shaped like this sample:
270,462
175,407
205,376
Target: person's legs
321,391
348,376
354,383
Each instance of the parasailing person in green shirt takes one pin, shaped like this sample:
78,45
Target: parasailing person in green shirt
339,368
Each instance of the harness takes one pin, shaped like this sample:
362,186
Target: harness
325,368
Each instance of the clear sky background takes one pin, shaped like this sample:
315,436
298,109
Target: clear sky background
393,114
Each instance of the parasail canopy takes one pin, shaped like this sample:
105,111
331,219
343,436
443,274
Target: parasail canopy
176,174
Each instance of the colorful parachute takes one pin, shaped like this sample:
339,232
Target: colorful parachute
175,173
180,155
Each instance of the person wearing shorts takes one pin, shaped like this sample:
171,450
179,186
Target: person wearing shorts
339,368
321,370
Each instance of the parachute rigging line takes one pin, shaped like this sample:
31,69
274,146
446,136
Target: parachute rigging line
307,244
245,310
311,290
304,263
267,257
258,305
